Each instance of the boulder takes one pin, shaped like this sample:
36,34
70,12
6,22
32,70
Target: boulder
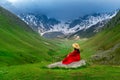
72,65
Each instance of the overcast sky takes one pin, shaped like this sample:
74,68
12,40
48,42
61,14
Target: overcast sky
62,9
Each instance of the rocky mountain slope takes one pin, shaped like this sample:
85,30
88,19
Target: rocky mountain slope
107,43
45,25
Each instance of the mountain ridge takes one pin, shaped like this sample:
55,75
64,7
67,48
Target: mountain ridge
43,24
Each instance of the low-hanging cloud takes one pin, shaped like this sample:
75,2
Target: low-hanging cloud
63,9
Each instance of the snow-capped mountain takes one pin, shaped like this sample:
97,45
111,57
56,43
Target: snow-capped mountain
43,24
89,32
38,22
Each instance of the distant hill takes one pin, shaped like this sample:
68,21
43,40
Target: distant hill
19,44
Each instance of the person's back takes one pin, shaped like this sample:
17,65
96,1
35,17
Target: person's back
73,56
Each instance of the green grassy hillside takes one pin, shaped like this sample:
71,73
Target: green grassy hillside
109,35
107,43
19,44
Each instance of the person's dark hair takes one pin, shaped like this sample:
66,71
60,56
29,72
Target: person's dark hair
77,50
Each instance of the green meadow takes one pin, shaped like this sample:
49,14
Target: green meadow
24,54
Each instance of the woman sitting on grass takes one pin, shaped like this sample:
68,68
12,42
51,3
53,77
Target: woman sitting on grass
72,60
73,56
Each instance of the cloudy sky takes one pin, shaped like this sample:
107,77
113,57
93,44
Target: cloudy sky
62,9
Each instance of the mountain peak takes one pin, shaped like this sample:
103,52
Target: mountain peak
43,24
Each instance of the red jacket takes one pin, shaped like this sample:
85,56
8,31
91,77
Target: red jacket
72,57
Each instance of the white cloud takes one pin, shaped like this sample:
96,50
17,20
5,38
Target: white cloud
4,3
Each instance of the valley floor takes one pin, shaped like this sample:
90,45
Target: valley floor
40,72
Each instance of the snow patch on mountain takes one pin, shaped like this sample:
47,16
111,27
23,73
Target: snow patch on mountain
43,25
